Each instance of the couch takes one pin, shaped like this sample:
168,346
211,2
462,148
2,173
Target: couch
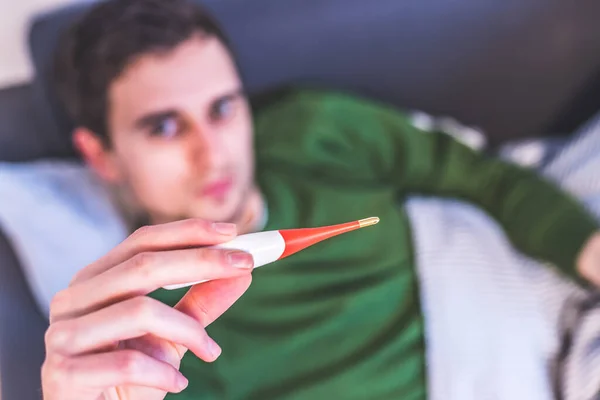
514,69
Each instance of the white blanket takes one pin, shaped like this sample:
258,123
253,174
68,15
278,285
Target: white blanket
495,319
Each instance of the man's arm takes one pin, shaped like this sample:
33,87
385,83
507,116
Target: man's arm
541,220
363,142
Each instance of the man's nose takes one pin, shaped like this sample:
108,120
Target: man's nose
207,150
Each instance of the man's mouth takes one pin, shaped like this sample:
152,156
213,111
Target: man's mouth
217,189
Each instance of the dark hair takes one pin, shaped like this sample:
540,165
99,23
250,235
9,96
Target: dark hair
99,47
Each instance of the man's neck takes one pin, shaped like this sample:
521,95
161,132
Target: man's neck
253,217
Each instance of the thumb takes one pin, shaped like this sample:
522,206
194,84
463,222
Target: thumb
208,301
204,302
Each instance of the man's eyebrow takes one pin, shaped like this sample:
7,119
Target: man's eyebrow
154,118
238,92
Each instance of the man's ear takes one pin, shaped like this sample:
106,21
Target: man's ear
96,153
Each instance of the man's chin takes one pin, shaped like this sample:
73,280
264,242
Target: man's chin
222,213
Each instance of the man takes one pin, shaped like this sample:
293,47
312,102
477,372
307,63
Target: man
162,116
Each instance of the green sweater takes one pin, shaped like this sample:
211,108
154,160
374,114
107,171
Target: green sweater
342,320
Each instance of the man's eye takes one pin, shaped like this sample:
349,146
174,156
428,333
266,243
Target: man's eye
222,110
166,128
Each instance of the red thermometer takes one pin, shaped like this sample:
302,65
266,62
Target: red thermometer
270,246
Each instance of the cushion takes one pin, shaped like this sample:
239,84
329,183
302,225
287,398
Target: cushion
58,218
20,134
506,67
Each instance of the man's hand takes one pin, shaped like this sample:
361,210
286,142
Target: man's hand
108,340
588,263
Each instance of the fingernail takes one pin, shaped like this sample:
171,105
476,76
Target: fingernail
214,349
182,382
240,259
224,228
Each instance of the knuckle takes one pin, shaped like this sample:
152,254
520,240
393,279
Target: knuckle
171,378
59,335
143,308
60,302
79,275
141,233
56,372
197,225
142,262
129,364
596,245
201,308
210,256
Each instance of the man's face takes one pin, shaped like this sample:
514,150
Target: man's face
181,133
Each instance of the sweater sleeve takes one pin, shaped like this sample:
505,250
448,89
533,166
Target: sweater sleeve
540,220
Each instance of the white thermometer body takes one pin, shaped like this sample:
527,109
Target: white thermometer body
265,248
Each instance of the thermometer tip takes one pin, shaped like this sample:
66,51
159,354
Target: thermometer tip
368,222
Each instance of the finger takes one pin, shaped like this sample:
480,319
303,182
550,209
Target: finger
173,235
147,272
208,301
130,319
106,370
157,348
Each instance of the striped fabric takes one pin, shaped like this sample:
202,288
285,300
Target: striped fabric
500,325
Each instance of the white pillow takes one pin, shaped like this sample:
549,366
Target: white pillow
58,218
